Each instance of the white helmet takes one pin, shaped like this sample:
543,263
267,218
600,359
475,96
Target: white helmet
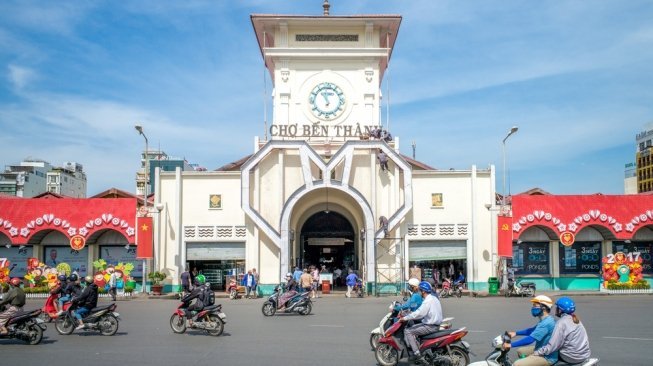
413,282
544,300
288,274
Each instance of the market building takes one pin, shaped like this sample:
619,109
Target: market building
327,185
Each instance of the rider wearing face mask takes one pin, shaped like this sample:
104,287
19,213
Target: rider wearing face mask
539,334
569,337
415,299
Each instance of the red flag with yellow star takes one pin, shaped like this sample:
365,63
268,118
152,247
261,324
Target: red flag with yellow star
144,233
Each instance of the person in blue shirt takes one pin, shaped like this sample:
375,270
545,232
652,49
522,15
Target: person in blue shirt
415,299
296,275
539,334
351,282
460,279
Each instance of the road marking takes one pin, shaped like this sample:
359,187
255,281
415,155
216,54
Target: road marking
327,326
630,339
477,331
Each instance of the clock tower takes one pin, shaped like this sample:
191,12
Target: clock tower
326,72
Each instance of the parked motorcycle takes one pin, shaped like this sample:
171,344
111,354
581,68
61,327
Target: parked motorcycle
48,311
235,291
499,356
388,320
211,319
300,303
451,290
25,326
102,318
442,348
520,289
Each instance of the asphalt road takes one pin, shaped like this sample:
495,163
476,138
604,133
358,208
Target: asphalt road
337,333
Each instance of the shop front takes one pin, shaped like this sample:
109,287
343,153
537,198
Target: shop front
447,257
217,261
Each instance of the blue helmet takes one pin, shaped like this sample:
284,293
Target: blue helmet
566,305
425,286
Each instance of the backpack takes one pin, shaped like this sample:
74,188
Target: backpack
209,297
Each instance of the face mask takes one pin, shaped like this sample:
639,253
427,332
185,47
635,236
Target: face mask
558,312
536,312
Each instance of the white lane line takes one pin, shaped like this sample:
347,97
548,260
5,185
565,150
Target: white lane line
630,339
327,326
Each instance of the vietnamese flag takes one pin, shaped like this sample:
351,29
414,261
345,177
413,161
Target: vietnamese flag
144,233
504,241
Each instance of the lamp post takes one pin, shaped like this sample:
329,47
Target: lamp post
504,277
139,128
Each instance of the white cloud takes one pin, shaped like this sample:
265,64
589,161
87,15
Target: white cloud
20,76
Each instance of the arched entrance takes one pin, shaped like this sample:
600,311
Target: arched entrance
328,238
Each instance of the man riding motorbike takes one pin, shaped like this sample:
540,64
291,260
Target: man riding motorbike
569,337
291,291
539,334
73,289
199,293
59,290
430,312
415,299
15,297
87,300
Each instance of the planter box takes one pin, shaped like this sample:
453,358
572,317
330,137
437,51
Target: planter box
627,292
45,295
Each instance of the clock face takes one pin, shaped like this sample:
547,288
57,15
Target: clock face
327,101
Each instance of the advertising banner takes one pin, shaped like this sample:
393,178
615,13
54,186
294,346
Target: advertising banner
17,259
580,257
118,254
531,258
77,259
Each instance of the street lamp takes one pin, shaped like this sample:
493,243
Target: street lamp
139,128
503,196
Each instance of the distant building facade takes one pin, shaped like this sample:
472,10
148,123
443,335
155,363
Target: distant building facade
644,160
157,159
630,178
33,177
68,180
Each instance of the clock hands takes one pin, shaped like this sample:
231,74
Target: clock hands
325,94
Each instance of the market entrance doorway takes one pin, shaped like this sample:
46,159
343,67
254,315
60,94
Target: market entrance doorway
328,238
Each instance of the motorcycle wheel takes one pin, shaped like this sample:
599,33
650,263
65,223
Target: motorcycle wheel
64,325
506,293
386,355
219,327
233,294
35,334
374,340
108,325
306,310
459,293
268,309
459,356
177,323
45,317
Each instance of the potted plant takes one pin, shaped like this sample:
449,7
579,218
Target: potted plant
156,278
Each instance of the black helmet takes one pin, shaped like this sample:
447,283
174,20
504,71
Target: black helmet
62,278
73,277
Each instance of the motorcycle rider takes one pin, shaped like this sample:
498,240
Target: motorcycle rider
569,336
291,291
87,300
430,312
199,294
15,297
415,299
539,334
59,291
73,289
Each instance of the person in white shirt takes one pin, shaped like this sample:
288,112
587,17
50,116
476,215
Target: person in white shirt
431,314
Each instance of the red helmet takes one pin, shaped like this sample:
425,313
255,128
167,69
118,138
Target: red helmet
15,281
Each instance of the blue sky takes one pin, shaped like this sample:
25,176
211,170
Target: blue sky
575,76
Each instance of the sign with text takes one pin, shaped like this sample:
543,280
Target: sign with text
17,259
643,248
77,259
580,257
531,258
319,130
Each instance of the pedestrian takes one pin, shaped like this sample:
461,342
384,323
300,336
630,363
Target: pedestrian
306,281
296,275
256,277
193,275
185,282
351,282
383,224
383,160
336,276
436,276
113,279
315,274
249,282
452,271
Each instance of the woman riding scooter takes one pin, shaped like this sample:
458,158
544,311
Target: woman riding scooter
291,291
539,334
569,337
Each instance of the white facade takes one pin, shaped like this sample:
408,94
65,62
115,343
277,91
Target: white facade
26,179
68,180
315,191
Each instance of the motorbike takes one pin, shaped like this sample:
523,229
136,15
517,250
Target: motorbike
442,348
48,311
388,320
358,288
26,326
520,289
499,357
300,303
210,319
101,318
235,291
451,290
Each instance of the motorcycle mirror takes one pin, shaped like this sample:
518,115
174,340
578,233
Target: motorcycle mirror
405,298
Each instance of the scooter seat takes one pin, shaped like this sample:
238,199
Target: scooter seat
527,284
437,334
212,307
24,315
98,308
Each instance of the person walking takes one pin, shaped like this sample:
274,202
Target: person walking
113,280
315,274
296,275
249,282
306,281
351,282
436,276
255,282
185,282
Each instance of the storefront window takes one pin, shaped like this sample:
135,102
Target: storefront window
118,254
580,257
644,248
530,258
76,259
